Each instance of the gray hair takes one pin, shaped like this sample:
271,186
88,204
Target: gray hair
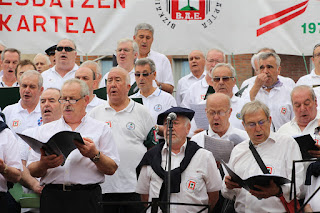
267,49
315,47
128,80
12,50
84,87
254,58
219,51
304,87
30,73
135,46
45,56
266,55
253,107
143,26
74,44
145,61
233,71
92,63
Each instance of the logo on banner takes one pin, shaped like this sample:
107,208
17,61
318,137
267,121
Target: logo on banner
272,21
171,12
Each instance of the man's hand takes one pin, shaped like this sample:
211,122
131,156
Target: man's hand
315,153
261,79
50,161
37,188
230,184
88,149
267,191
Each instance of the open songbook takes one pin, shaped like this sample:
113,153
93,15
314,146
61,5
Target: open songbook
221,149
62,143
260,180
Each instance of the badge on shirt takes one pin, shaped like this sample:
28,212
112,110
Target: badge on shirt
191,185
157,107
15,123
202,97
130,126
269,169
238,115
108,123
283,110
40,121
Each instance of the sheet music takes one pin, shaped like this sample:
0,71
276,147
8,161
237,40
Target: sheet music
221,149
200,116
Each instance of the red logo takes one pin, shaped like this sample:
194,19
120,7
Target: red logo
281,17
108,123
269,169
283,110
191,185
184,10
15,123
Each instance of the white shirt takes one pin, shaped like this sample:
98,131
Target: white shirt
314,202
279,102
77,168
285,80
158,102
309,79
95,102
9,154
105,78
130,128
200,177
163,67
235,117
52,79
2,84
199,138
195,94
19,119
275,155
184,84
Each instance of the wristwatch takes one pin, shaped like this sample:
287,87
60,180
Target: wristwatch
96,158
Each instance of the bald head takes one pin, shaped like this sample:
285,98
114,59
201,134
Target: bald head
196,62
118,86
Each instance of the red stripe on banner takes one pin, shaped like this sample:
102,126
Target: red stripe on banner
281,13
280,22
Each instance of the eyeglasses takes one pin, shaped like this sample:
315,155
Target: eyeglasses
316,55
71,101
67,49
124,49
143,74
219,113
224,78
254,124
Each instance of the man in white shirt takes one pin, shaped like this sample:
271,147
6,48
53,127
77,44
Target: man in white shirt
10,59
87,75
218,110
195,178
65,68
312,79
24,65
127,53
74,187
96,69
154,99
271,91
273,150
10,163
42,62
130,123
143,35
196,64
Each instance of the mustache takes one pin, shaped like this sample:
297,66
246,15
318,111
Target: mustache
68,108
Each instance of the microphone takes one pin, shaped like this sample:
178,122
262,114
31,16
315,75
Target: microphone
172,116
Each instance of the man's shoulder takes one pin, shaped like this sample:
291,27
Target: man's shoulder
157,54
10,108
184,78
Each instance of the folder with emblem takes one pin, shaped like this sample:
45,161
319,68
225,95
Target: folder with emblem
62,143
260,180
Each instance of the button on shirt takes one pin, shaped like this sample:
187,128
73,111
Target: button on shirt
52,79
310,79
158,102
77,168
275,155
184,84
130,128
199,138
9,154
200,177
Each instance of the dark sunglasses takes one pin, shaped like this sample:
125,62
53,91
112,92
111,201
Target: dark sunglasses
143,74
224,78
67,49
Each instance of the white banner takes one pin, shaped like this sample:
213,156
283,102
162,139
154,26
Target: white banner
234,26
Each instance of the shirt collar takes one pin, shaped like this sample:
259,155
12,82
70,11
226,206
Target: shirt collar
37,109
129,108
165,148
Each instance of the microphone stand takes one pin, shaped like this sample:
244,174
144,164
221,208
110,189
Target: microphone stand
170,126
